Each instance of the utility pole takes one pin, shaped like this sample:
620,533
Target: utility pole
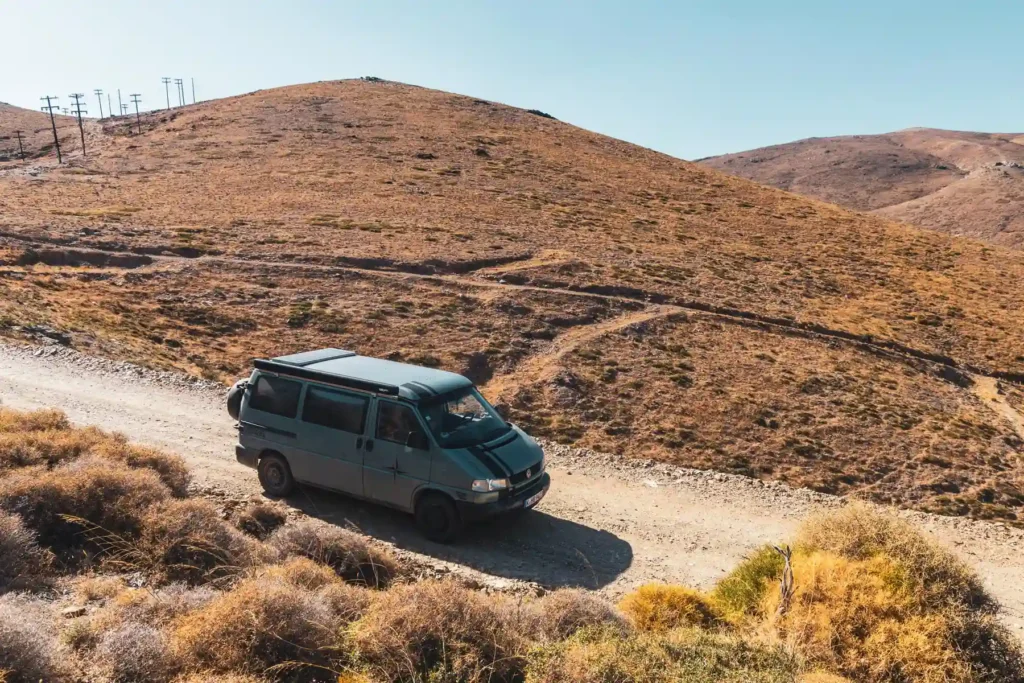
193,91
64,110
135,98
77,97
167,91
99,99
110,107
119,105
181,91
49,108
21,148
124,109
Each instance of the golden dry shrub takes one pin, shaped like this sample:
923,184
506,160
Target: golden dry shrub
439,631
170,468
863,619
22,562
261,623
46,419
345,600
30,650
212,677
661,607
108,498
48,447
187,540
561,613
859,532
261,518
691,655
349,554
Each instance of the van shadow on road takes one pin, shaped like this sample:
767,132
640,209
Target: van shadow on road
534,546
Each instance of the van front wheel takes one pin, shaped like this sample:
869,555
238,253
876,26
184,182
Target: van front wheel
275,475
437,518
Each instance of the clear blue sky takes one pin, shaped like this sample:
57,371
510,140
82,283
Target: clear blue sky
687,78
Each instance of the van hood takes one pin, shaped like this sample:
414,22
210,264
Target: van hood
510,454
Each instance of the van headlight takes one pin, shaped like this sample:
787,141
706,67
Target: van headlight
485,485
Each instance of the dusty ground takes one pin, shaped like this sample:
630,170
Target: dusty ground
607,524
969,184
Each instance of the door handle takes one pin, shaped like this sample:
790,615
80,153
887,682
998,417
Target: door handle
359,443
369,444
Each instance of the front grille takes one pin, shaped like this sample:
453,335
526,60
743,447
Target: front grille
520,477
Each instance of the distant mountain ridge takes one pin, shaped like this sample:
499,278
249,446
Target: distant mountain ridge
964,183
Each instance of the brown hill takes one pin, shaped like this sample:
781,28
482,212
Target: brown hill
968,184
36,133
606,294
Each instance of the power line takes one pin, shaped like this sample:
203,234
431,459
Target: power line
77,97
21,148
167,91
99,99
49,109
136,97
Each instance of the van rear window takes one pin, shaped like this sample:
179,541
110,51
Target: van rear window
335,409
275,395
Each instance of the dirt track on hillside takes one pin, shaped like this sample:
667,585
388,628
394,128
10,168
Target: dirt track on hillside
608,525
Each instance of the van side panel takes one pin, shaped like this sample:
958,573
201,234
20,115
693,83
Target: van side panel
330,428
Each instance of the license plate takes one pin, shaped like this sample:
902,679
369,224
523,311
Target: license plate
534,499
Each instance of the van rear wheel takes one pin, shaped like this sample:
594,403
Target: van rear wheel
275,475
437,518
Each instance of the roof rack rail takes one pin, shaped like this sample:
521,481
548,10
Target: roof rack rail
325,377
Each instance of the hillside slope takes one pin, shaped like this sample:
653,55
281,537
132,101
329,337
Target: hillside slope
36,133
608,295
968,184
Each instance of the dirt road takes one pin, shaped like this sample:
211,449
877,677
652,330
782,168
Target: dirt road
607,524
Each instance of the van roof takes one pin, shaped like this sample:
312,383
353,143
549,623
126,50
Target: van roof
347,368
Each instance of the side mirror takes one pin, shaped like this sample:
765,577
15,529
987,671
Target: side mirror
417,440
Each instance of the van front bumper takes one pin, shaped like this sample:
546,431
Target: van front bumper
246,456
472,512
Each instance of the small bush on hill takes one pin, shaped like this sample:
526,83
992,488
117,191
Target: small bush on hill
439,631
561,613
660,607
691,655
260,623
261,519
46,419
30,650
186,540
349,554
22,561
170,468
741,591
136,652
107,496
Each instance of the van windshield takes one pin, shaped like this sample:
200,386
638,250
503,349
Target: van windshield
462,418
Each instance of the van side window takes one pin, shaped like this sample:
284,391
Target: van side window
275,395
335,410
397,423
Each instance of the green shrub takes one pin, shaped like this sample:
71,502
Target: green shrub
742,590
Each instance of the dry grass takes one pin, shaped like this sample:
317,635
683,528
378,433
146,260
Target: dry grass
262,518
659,607
136,651
563,612
105,496
439,631
261,623
186,540
688,655
22,562
740,592
29,647
347,553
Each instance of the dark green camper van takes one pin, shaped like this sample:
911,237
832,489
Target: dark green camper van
418,439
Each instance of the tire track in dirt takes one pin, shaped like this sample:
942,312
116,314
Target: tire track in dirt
988,392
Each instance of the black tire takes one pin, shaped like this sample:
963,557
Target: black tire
235,398
437,518
275,475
